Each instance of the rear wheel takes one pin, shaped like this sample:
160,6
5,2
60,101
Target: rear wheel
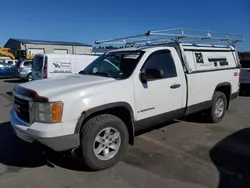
104,139
29,77
218,107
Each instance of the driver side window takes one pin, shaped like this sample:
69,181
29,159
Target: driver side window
162,60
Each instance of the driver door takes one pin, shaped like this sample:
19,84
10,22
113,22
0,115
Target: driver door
160,99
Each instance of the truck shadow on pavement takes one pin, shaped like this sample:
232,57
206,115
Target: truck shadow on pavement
231,156
14,152
199,117
156,127
17,153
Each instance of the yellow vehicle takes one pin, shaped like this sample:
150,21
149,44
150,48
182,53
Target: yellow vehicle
22,54
29,56
6,52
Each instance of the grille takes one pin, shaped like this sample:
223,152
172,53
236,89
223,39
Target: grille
22,109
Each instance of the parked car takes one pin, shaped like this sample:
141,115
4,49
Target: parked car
52,65
4,58
7,71
24,69
12,62
245,75
123,91
9,61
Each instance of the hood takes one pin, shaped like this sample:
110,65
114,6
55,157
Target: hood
62,84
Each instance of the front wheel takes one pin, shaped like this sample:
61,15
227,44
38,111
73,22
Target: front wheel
218,107
104,139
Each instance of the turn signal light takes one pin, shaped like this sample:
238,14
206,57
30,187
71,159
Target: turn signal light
56,112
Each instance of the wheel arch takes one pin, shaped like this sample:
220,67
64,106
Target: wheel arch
122,110
226,88
30,73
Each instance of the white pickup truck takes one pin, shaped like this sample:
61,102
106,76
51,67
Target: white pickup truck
100,109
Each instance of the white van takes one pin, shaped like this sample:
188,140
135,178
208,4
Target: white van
51,65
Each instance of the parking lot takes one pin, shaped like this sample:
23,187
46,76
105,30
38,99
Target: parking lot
186,153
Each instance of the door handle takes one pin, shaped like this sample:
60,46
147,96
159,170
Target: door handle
175,86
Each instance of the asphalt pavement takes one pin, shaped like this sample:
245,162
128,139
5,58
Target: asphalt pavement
188,153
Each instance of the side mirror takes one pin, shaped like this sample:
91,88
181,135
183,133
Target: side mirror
151,74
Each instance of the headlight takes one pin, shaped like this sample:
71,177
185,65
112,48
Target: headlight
48,112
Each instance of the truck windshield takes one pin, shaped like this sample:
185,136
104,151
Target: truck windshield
118,65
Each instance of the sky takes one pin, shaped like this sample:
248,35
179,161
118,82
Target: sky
87,21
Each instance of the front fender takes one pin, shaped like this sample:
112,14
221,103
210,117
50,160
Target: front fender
87,113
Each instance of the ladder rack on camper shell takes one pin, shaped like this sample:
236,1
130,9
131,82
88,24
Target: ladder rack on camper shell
179,35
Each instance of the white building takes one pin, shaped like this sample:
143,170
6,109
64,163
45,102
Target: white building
39,46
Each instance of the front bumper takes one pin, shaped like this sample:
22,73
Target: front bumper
33,134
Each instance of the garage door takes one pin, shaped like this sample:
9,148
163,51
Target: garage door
34,51
60,51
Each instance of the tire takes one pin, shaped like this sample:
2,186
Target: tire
214,115
29,77
89,132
